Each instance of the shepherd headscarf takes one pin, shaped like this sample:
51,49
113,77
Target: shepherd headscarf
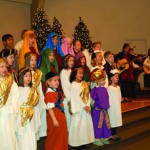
64,48
45,66
25,48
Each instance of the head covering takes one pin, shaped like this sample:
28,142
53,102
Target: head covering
50,44
6,52
64,43
97,74
25,47
45,66
112,73
50,75
79,55
94,54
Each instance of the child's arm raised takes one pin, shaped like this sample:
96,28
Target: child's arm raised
55,122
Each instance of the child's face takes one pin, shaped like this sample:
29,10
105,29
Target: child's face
71,62
97,47
31,41
54,82
9,43
51,57
27,79
101,82
98,58
77,46
10,60
33,61
83,61
110,58
79,75
3,69
69,44
115,78
55,40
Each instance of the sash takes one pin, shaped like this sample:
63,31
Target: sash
26,109
5,87
84,92
59,101
36,78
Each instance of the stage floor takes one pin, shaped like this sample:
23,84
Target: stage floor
136,103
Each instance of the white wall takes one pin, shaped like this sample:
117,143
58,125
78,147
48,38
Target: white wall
13,18
111,21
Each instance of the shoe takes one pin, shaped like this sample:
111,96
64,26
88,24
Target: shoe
105,141
98,143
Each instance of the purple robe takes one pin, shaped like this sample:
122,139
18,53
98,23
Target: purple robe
101,102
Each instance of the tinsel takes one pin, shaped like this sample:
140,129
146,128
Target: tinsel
82,33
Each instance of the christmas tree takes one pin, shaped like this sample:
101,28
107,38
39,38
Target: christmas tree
56,27
41,28
82,33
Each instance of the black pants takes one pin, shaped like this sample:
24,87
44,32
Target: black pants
113,131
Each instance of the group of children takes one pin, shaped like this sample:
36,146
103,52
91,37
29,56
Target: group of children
73,98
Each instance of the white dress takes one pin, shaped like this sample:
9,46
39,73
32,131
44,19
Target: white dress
27,135
42,131
65,83
81,128
114,111
8,113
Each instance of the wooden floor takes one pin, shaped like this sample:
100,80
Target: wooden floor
136,103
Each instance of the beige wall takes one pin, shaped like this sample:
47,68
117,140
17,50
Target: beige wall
111,21
13,18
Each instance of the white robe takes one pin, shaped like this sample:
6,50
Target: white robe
114,111
81,128
8,113
65,83
27,134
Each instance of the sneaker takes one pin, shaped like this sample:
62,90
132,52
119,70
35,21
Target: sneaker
98,143
105,141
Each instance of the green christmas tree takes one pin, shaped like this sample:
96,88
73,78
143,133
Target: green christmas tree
56,27
41,27
82,33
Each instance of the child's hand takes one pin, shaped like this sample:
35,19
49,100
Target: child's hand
56,124
87,109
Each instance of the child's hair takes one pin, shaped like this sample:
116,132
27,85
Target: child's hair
93,61
149,52
6,36
66,59
107,53
74,42
27,58
3,60
22,72
74,73
95,43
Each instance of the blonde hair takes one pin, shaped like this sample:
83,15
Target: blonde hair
93,61
3,60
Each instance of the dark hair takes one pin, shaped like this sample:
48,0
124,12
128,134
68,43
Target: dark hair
23,32
22,72
149,52
125,46
66,58
6,36
74,73
107,53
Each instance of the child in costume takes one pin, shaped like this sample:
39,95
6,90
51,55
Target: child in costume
100,116
31,61
9,54
28,121
9,96
81,127
49,63
53,43
29,45
65,82
114,110
80,60
67,46
57,135
96,62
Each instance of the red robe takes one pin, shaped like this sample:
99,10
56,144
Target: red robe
57,137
